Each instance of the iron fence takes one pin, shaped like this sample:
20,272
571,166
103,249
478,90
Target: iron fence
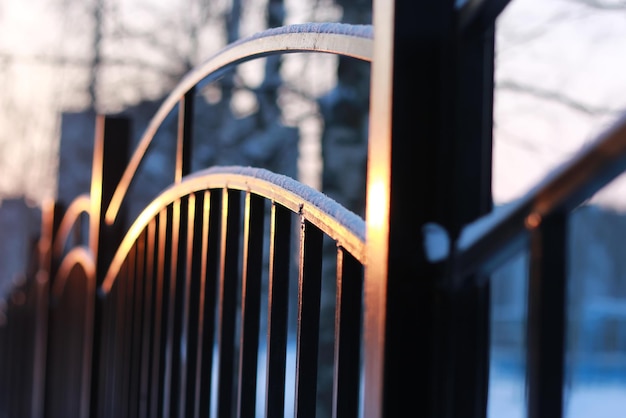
186,312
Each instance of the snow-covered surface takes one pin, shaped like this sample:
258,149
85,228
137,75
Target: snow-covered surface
314,197
436,242
597,399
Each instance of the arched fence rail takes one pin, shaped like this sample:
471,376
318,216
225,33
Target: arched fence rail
179,288
194,310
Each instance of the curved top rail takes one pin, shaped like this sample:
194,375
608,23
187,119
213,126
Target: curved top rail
77,256
342,225
335,38
81,204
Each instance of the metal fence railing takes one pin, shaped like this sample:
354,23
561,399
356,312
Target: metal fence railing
187,312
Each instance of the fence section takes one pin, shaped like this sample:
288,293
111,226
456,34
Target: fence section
193,310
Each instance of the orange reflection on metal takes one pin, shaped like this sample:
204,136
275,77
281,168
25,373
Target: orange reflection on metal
346,229
46,237
80,205
83,259
375,289
126,246
79,256
378,209
96,184
178,171
533,220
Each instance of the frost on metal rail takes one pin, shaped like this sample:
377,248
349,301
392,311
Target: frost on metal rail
333,38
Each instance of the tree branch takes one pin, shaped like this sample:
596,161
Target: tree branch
555,96
603,4
61,61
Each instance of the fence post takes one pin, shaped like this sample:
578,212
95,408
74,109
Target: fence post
430,136
110,157
184,135
546,315
51,215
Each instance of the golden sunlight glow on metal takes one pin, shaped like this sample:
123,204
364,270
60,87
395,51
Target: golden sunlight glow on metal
96,184
80,205
79,256
378,209
346,228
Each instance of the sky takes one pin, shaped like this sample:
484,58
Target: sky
570,50
557,48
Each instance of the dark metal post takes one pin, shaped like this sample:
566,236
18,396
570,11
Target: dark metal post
51,215
430,135
184,135
546,315
111,150
112,142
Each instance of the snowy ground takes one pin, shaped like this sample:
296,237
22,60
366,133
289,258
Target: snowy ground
598,395
598,398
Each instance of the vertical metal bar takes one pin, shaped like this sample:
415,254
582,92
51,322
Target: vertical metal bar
187,358
170,311
97,385
17,330
136,334
204,208
179,356
252,266
96,193
10,361
227,304
4,363
185,135
377,208
195,258
160,303
470,174
278,304
106,367
309,296
148,321
34,303
117,364
126,330
211,239
425,70
107,363
21,352
24,298
347,336
43,289
4,384
546,315
25,352
112,139
88,342
99,355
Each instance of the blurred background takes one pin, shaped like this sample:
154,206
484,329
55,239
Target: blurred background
560,68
